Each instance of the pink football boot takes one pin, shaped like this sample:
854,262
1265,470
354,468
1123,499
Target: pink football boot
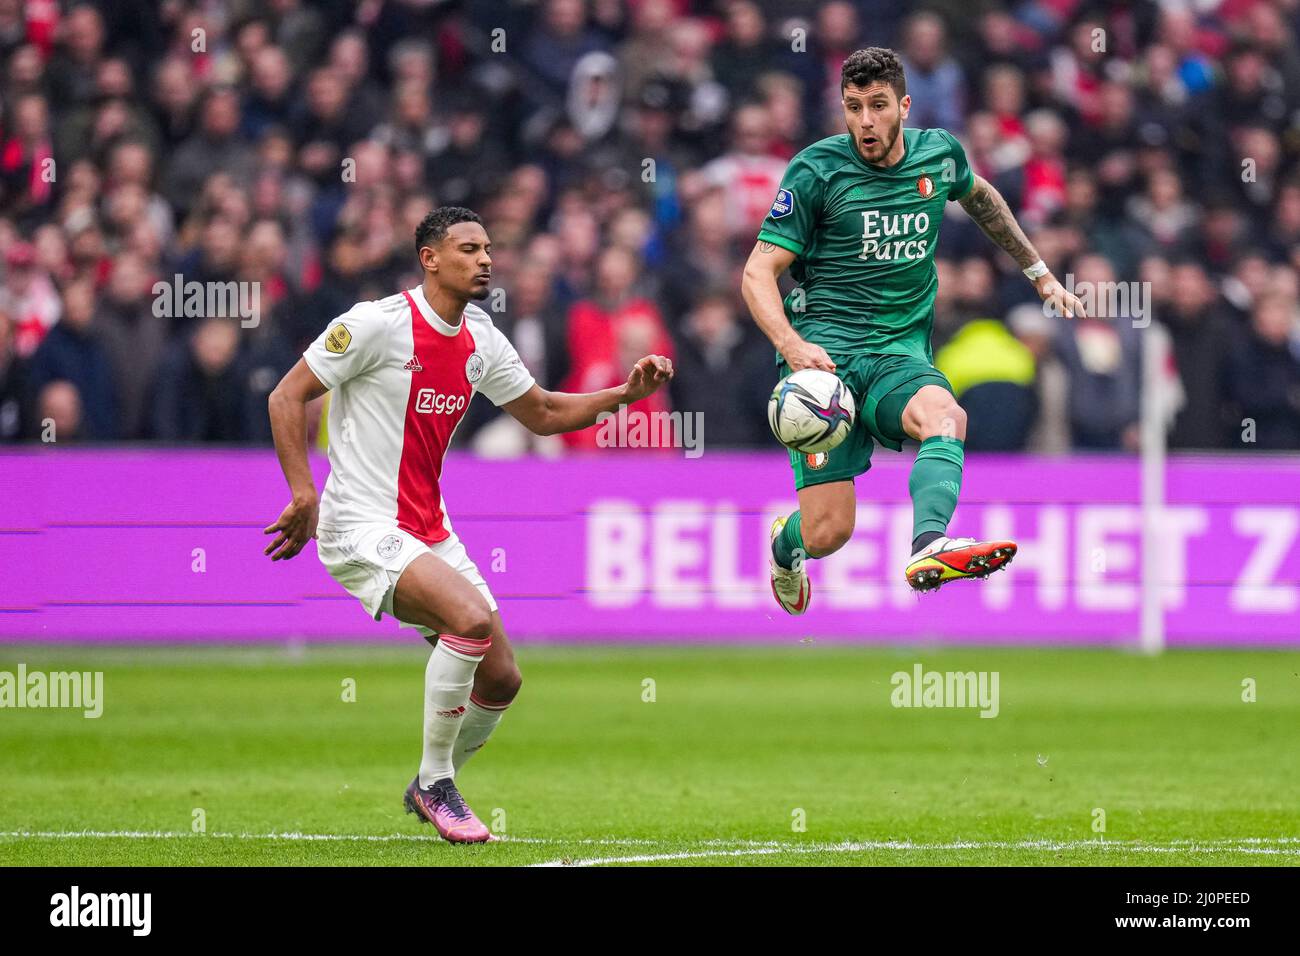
444,807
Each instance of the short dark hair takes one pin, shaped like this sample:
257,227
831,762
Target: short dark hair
433,227
875,64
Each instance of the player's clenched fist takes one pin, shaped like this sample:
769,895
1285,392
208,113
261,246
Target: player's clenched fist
296,525
801,354
647,375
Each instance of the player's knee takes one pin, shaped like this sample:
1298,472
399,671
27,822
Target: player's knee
957,416
473,622
826,537
478,627
946,419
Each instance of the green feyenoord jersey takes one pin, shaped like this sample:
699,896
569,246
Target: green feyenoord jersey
864,237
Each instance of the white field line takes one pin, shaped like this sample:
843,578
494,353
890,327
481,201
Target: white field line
1273,846
430,837
1250,845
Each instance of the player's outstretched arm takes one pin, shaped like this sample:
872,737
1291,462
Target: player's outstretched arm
763,296
549,413
287,406
985,205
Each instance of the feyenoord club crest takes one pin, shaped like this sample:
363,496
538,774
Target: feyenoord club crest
389,546
474,368
925,186
816,460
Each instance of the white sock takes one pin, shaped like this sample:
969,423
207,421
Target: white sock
481,718
448,680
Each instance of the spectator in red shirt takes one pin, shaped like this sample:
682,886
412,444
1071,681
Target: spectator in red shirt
1044,189
608,328
748,171
27,172
29,297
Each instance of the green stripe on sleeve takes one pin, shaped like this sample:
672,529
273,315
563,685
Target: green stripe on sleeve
782,241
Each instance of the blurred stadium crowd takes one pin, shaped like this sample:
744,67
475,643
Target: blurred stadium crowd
622,155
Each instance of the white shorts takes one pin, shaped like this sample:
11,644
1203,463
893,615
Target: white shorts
368,559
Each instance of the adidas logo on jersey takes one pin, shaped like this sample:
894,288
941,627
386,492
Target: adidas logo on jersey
413,365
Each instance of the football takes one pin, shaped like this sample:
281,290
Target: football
811,411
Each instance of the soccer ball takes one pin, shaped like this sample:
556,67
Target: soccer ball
811,411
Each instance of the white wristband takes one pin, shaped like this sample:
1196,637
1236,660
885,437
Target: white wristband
1036,271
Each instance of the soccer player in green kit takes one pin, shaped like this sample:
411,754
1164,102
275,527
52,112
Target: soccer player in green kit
856,221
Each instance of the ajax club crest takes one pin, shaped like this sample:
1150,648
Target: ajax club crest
389,546
474,368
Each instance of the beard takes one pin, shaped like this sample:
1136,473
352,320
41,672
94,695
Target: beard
884,142
481,295
894,133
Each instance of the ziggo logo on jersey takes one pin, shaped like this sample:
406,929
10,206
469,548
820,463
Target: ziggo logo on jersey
428,400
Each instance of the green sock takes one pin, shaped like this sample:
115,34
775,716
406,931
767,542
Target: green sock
935,483
788,546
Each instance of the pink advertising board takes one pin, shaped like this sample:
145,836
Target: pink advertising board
166,545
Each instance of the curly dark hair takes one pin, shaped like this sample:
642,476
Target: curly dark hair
875,64
433,227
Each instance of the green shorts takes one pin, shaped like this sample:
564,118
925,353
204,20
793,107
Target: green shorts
882,385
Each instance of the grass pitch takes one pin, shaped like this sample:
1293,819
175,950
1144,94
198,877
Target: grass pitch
745,756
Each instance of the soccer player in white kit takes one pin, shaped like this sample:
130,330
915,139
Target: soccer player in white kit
403,370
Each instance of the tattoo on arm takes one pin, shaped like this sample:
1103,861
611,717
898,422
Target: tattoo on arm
766,246
990,211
